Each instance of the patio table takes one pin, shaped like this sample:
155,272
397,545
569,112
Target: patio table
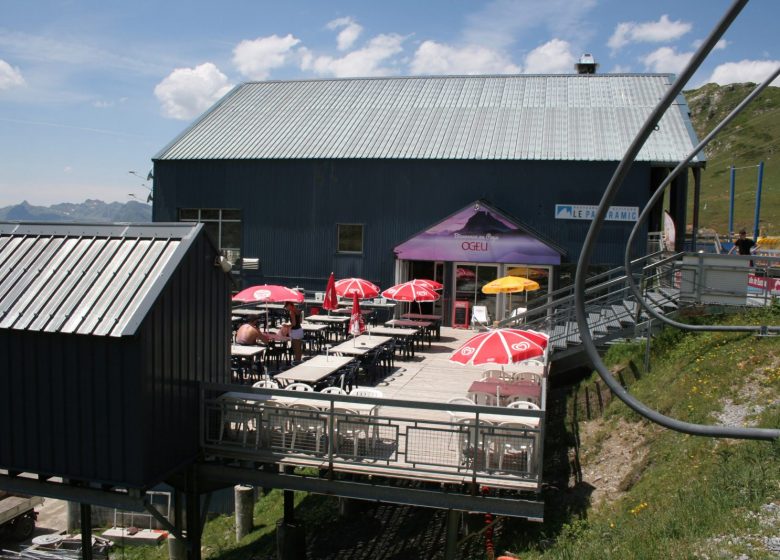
515,390
314,370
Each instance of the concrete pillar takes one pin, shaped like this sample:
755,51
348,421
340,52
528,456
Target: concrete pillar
244,503
73,517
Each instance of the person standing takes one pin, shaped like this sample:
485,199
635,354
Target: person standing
296,331
743,244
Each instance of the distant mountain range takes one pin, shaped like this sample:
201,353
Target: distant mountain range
87,211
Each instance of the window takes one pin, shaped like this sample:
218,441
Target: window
350,238
223,225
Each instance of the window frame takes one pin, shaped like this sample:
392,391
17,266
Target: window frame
233,254
341,251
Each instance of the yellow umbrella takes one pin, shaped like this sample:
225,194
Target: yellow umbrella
510,285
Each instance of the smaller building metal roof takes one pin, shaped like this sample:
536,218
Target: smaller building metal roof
92,279
586,117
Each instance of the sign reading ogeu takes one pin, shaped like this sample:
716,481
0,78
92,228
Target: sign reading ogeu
588,212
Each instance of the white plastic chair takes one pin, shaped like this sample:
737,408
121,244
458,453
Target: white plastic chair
306,422
366,392
299,387
333,391
516,312
514,447
265,384
524,405
479,316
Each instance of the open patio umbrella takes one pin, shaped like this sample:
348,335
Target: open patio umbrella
356,324
268,293
330,302
410,291
510,285
364,289
501,346
430,284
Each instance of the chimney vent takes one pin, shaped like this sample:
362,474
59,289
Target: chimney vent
586,65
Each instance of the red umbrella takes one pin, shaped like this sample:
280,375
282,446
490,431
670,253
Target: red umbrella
501,346
356,324
331,301
268,293
363,288
410,291
430,284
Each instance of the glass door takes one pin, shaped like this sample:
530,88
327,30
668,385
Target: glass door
469,279
539,274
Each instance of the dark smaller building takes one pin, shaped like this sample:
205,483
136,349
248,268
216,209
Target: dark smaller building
105,333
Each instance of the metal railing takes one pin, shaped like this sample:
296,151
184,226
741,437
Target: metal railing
609,302
448,443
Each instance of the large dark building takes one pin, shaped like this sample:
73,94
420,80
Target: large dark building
461,179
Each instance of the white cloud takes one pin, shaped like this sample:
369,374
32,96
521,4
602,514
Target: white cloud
666,60
350,31
554,57
187,92
371,60
649,32
9,76
255,59
437,58
499,23
719,46
755,71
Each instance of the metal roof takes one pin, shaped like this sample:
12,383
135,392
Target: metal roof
527,117
93,279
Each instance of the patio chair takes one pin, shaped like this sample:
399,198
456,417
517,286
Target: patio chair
265,384
333,391
526,376
525,405
517,312
474,447
299,387
366,392
479,317
514,446
306,423
349,427
276,424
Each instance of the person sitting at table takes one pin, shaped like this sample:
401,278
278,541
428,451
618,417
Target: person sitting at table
296,331
249,334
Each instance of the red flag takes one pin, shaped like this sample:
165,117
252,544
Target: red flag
356,324
331,301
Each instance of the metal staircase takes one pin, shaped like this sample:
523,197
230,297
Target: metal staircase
613,313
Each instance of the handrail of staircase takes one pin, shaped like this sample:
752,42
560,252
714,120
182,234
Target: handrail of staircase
608,197
551,302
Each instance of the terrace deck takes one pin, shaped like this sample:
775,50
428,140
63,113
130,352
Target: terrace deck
425,444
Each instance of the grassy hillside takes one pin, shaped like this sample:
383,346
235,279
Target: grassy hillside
753,137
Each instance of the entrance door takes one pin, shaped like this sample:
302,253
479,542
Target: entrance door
469,279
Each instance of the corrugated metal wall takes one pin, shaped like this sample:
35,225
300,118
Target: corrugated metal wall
185,340
291,208
118,410
67,405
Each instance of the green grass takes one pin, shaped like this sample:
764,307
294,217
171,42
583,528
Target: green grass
691,489
754,136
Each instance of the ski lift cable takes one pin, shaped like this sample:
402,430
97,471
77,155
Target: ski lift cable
587,250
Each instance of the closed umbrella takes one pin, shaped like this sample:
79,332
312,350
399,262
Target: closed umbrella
356,324
346,287
501,346
331,301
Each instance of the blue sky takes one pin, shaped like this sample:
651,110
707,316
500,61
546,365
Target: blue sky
90,90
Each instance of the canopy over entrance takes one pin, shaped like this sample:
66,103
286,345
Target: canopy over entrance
479,233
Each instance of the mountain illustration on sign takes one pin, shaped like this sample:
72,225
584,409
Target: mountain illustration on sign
482,223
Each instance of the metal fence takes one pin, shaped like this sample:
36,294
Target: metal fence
449,443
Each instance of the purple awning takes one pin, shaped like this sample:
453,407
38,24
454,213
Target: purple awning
478,233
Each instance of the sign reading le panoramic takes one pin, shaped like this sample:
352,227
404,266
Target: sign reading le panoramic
588,212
